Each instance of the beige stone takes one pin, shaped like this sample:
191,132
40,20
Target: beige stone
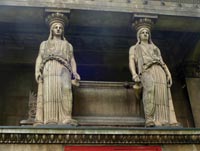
29,147
150,72
54,66
191,147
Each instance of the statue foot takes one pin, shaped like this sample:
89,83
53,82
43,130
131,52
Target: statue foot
29,121
150,124
38,123
176,124
70,122
51,123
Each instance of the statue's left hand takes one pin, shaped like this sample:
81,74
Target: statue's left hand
76,79
76,76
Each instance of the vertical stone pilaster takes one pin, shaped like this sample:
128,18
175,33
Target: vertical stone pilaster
192,74
192,77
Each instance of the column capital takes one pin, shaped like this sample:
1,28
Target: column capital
55,14
143,21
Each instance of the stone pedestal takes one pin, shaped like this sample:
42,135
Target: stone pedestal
107,103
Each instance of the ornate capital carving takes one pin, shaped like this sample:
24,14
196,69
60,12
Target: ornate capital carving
143,21
57,15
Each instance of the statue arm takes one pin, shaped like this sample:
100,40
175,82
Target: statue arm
132,65
38,74
164,66
168,75
73,65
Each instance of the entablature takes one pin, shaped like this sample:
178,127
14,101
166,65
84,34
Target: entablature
97,135
162,7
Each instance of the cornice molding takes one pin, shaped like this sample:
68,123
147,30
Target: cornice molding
108,136
173,8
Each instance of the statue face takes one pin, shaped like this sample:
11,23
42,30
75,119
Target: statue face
144,35
57,29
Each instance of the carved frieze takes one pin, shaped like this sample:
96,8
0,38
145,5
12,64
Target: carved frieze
107,136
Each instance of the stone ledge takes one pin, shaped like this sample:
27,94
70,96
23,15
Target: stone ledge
153,6
97,135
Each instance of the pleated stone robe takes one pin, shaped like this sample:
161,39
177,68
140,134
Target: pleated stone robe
156,95
54,91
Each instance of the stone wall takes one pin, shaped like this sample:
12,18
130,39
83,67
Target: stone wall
16,83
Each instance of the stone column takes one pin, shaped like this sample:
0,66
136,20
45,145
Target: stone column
192,78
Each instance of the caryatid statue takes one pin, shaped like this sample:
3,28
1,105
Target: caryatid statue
55,67
151,73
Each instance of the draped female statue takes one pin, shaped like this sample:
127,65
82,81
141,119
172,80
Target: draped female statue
149,70
54,66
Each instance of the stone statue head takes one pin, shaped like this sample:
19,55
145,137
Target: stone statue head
56,29
141,32
143,25
54,20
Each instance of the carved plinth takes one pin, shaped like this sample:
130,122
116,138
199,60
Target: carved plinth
107,103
